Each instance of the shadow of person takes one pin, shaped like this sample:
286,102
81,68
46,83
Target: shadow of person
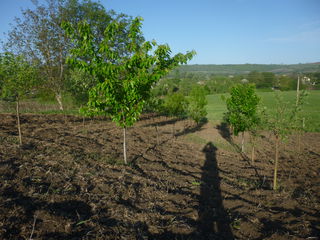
214,222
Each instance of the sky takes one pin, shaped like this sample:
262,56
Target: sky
220,31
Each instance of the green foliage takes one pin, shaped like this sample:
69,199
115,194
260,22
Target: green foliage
197,104
79,84
154,104
242,108
176,105
285,120
286,116
18,77
39,36
124,82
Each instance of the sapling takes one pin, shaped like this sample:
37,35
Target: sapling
242,109
19,78
197,104
124,80
282,123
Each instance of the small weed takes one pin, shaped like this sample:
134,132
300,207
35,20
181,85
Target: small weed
111,161
2,139
249,183
82,222
94,156
236,223
12,140
196,183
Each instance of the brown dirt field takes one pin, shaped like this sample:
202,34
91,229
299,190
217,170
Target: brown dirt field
67,182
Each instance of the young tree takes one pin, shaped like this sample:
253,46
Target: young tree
176,105
281,123
197,104
18,79
124,81
242,109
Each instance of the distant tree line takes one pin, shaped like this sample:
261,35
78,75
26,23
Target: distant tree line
213,84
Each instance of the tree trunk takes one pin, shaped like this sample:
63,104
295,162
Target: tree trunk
157,134
242,142
124,146
276,164
59,100
299,143
18,120
252,154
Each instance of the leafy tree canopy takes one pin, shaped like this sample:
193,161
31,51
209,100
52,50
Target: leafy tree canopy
124,81
242,107
17,76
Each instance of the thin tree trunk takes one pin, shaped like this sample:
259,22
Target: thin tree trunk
299,143
252,154
157,134
242,142
124,146
275,174
18,120
298,91
59,100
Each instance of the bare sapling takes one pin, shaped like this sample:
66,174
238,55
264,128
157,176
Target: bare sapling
18,120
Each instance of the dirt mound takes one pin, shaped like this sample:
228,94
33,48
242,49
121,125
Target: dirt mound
68,182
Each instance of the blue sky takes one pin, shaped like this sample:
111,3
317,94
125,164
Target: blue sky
220,31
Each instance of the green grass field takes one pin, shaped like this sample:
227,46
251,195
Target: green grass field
216,106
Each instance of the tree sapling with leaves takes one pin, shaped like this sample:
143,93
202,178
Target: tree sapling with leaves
124,80
19,77
197,104
282,123
242,109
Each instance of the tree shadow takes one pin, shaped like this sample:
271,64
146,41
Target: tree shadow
224,131
191,129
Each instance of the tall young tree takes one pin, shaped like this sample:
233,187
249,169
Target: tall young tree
125,81
282,123
18,78
242,109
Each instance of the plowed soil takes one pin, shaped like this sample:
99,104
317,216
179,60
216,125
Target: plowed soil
67,181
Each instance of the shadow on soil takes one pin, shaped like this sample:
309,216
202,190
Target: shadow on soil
213,220
225,132
74,215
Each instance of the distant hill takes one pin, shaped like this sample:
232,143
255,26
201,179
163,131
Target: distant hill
229,69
